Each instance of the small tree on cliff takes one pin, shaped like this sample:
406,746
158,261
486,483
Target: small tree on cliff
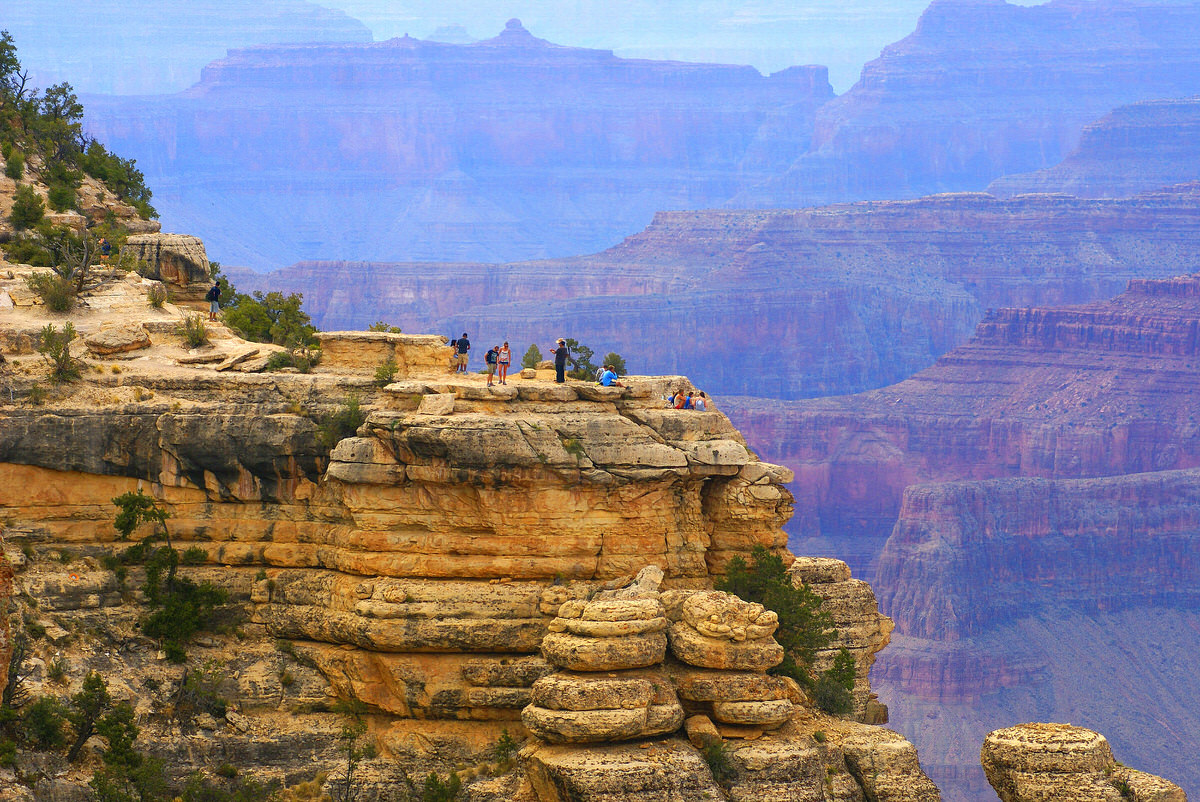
532,357
804,627
181,608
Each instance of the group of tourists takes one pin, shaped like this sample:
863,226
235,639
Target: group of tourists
690,400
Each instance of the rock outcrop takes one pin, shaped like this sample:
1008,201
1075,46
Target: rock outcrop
781,304
506,148
1133,149
460,571
985,89
1026,510
178,260
1057,761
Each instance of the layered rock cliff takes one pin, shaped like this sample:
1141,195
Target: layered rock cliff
782,304
507,148
1134,149
418,565
1018,584
983,89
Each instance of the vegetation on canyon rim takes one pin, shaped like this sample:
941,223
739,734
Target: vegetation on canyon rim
803,629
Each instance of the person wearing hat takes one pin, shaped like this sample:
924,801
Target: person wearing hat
561,355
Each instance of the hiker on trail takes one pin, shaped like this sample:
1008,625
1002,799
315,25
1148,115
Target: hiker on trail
609,377
561,354
213,296
490,360
105,249
463,347
503,359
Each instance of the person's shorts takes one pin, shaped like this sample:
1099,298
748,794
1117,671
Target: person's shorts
491,368
214,306
462,360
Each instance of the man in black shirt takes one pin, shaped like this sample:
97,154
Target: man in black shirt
464,346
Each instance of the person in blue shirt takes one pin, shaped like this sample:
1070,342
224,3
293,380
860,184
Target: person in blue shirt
609,377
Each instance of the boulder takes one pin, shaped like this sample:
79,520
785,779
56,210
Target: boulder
117,340
695,649
579,653
436,404
175,259
586,708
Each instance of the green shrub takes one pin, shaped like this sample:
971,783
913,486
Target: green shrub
55,348
8,753
386,373
61,197
193,331
157,295
379,325
819,736
45,723
121,176
532,357
193,555
27,209
37,395
14,165
505,747
270,318
29,250
227,770
57,670
200,691
341,424
57,292
834,689
716,755
617,361
434,790
803,626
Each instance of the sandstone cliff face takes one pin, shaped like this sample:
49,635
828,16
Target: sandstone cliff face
1133,149
985,89
436,565
782,304
508,148
1025,508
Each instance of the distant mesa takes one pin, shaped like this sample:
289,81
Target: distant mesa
452,34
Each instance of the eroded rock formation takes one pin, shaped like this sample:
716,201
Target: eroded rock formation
1057,761
465,555
178,260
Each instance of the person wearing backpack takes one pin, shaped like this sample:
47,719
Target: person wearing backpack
491,358
213,296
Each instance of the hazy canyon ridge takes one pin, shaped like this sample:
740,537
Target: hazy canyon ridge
986,395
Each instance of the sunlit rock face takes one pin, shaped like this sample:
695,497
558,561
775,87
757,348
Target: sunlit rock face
507,148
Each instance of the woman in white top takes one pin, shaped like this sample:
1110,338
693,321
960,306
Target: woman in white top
504,357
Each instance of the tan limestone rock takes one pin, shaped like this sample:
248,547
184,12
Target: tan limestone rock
604,654
175,259
713,629
706,685
767,714
436,404
1063,762
567,691
118,340
701,731
691,647
669,770
886,766
715,614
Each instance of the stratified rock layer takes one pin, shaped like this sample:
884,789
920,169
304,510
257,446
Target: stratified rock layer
507,148
1027,511
985,89
1033,762
782,304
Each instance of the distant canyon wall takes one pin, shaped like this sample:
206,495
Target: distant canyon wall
1026,509
780,304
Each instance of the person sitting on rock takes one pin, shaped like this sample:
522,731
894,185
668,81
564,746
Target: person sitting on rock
490,359
683,401
608,377
700,402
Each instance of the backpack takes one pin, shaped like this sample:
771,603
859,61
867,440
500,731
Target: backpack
213,294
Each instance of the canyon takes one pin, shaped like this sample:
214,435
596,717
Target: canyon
982,89
1026,509
779,304
510,147
514,148
1133,149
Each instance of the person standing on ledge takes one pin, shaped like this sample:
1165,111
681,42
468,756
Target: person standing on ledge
464,346
561,355
213,296
504,357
